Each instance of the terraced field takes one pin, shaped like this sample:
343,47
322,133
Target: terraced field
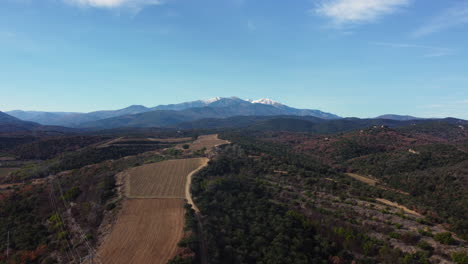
164,179
147,231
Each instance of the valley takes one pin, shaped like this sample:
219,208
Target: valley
251,189
233,132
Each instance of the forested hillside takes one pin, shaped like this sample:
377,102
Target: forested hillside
427,161
264,203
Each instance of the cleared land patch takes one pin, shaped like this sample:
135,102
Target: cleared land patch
151,221
362,179
171,140
147,231
396,205
207,141
164,179
373,182
127,141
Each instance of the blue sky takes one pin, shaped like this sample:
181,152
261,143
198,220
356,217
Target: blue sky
350,57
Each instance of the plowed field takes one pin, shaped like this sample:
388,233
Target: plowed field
207,141
164,179
147,231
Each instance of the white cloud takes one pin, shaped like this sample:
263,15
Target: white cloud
429,51
452,17
134,4
358,11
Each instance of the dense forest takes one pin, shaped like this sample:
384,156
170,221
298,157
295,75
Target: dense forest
427,162
253,213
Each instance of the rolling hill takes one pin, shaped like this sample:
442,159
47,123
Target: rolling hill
398,117
12,124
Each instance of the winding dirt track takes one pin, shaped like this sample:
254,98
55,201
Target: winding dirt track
151,221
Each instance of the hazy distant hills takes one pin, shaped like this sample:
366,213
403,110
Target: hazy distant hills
12,124
167,115
398,117
71,119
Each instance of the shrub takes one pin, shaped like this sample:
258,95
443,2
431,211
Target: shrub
425,246
426,232
395,235
444,238
410,238
460,257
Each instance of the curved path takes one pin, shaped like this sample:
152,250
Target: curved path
188,195
151,221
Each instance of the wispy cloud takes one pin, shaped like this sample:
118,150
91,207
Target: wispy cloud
357,11
135,5
429,51
452,17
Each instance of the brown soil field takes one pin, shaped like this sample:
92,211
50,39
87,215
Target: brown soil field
147,231
121,141
166,179
207,141
171,140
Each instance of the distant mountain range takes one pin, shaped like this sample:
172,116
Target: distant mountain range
10,124
217,112
167,115
70,119
170,119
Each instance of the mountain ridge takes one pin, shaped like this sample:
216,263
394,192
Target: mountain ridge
237,107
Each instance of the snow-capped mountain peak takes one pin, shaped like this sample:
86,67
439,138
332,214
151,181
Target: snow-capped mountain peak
212,100
266,101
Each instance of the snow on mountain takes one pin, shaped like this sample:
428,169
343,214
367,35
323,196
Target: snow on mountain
212,100
266,101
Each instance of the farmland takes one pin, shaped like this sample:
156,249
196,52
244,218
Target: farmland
207,141
147,231
151,220
161,180
132,141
